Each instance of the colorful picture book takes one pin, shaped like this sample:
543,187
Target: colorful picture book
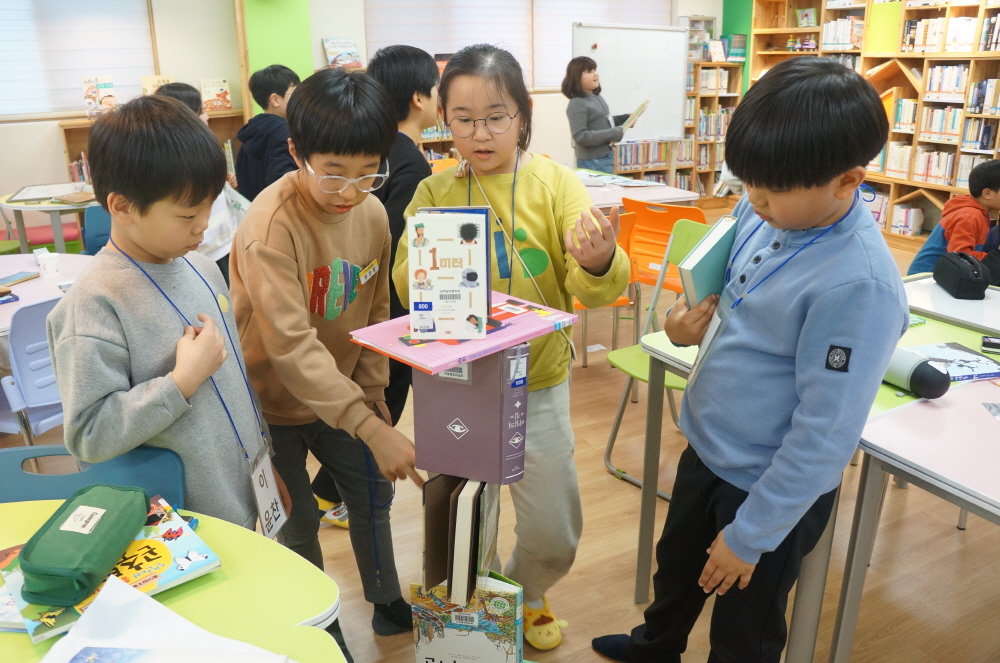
486,631
215,95
123,655
98,94
150,84
511,321
962,363
449,272
165,553
10,616
342,53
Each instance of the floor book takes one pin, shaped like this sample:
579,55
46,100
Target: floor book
703,271
962,363
471,420
511,321
449,279
487,630
165,553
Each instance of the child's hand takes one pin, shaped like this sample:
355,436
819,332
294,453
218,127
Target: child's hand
595,252
231,180
688,326
394,454
286,499
200,353
724,567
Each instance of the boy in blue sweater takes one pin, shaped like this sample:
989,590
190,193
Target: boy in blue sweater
789,367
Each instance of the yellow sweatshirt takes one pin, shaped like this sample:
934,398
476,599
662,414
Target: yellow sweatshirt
297,296
549,199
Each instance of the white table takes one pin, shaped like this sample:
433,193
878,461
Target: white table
926,298
36,290
55,210
955,458
606,197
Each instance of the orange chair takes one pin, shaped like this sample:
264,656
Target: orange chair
653,224
625,224
441,165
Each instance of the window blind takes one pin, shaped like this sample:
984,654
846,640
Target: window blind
553,29
538,32
47,48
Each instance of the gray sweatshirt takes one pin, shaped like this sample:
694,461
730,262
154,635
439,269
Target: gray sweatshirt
113,340
591,128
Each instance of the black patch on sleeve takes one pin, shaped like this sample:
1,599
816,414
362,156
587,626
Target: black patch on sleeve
838,358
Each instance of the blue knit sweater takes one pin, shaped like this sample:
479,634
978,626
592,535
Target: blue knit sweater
780,401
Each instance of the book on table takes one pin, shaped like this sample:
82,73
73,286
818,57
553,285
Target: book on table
960,362
511,321
703,270
40,193
164,554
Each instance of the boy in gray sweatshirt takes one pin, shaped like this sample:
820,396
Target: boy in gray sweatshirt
133,369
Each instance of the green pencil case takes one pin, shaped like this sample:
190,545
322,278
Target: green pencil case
76,549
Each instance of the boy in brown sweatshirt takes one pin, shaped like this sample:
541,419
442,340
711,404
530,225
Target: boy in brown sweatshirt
310,264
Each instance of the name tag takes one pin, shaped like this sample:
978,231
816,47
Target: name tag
269,508
368,272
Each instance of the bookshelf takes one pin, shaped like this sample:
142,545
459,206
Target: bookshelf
436,142
76,133
931,62
692,164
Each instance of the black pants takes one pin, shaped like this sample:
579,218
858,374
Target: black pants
400,376
748,625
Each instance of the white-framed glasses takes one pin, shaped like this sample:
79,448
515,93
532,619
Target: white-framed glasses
496,123
336,183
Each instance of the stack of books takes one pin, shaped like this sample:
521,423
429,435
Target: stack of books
906,116
966,163
983,97
843,34
897,162
947,83
690,77
684,152
690,111
906,220
79,170
879,207
961,35
979,134
924,35
736,48
989,39
709,81
846,59
934,166
437,132
877,165
683,181
704,156
941,124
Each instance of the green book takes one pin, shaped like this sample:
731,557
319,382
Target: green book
703,271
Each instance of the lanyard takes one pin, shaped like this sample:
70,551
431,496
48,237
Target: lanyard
235,353
513,215
801,248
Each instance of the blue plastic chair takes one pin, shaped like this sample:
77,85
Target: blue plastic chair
157,471
96,230
32,390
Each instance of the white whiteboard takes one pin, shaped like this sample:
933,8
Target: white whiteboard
637,63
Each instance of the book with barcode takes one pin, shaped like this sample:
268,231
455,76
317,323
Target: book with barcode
449,275
165,553
487,630
471,421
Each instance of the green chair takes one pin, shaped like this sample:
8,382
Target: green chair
8,244
634,362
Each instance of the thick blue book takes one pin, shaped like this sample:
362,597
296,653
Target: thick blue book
703,271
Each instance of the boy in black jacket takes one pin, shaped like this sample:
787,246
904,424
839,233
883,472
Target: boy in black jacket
410,76
263,156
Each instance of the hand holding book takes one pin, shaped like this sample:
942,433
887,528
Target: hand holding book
685,326
630,122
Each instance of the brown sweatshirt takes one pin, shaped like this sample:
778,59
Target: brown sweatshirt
295,272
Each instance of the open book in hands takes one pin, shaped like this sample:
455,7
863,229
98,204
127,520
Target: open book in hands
627,124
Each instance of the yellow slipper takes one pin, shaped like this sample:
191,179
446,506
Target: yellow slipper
332,514
541,628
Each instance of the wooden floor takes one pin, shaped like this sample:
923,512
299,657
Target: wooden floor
932,594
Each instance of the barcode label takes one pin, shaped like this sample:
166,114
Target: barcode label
450,296
465,618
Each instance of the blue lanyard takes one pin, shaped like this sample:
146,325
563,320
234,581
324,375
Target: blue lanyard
801,248
513,215
235,353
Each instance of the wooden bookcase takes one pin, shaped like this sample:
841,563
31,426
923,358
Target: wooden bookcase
700,173
897,76
76,133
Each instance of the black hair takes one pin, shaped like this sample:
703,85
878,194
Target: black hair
154,148
403,70
336,111
497,67
468,231
275,79
577,67
184,93
984,176
805,122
